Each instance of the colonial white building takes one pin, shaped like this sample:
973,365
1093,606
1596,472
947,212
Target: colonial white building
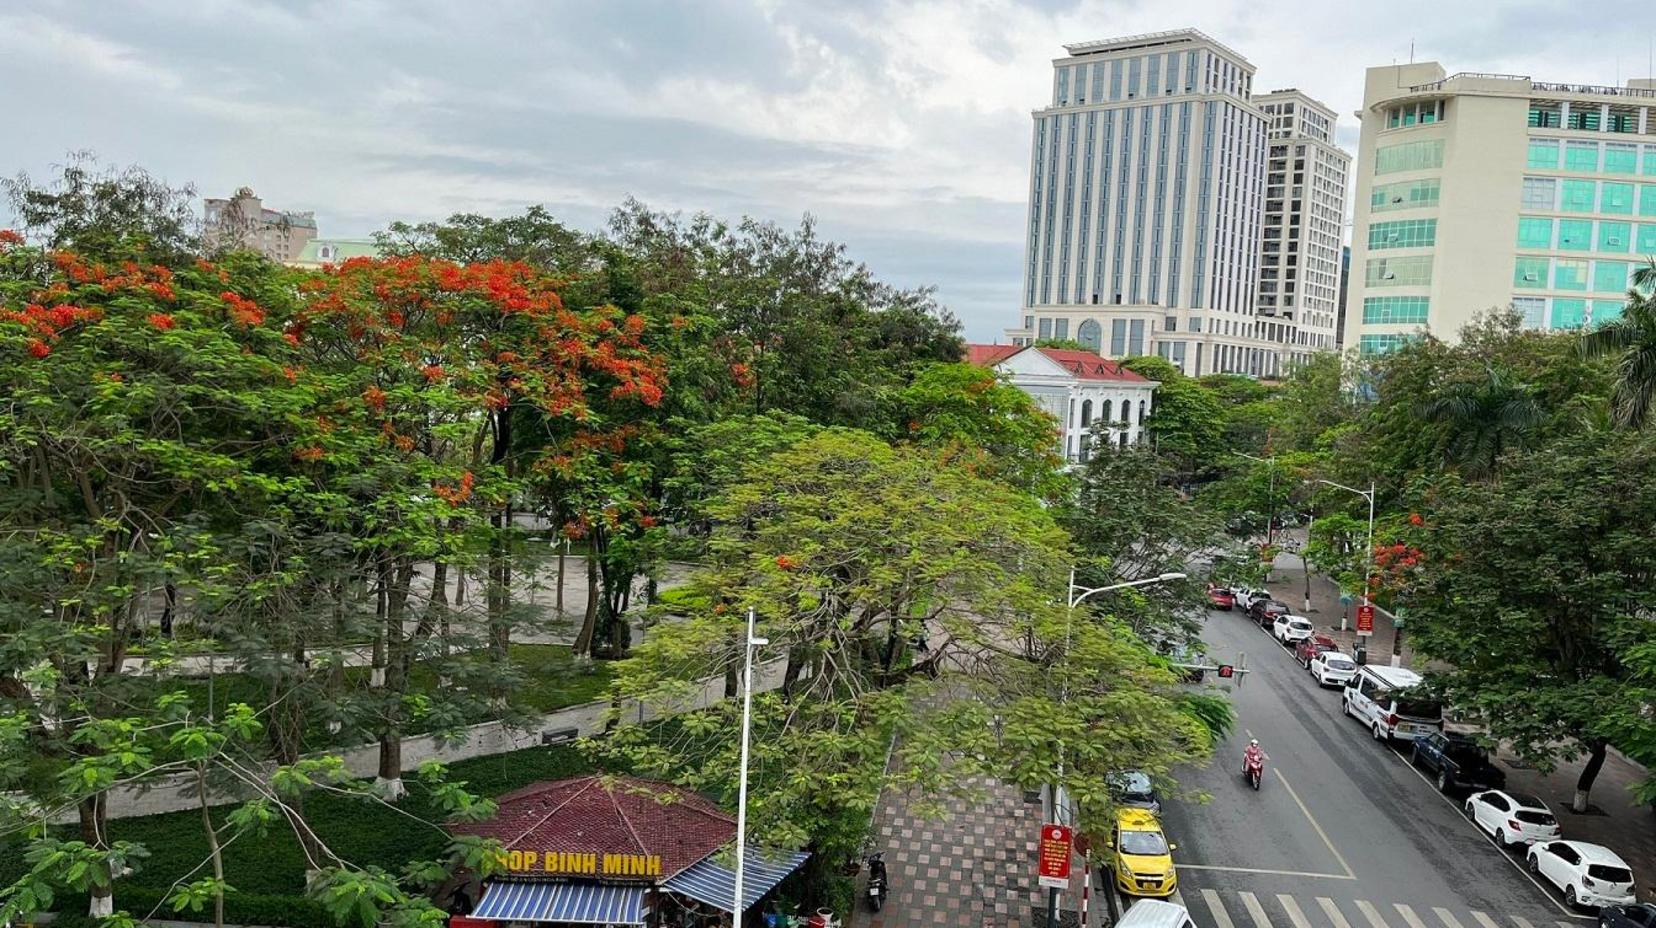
1079,388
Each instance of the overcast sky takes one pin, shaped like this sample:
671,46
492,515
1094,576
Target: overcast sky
904,127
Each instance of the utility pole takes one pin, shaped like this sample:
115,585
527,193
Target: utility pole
1368,568
748,644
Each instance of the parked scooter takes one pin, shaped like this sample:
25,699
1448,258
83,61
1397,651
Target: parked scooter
876,881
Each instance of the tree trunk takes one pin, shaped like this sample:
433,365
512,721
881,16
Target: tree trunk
94,831
1589,773
500,567
790,676
213,850
399,657
170,603
589,622
563,550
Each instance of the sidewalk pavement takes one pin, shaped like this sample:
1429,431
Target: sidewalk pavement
972,867
1614,820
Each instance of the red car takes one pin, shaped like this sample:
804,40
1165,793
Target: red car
1311,647
1222,598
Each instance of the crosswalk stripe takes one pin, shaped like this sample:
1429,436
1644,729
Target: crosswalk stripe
1567,925
1409,916
1447,918
1220,916
1334,914
1255,910
1522,922
1373,915
1292,908
1484,920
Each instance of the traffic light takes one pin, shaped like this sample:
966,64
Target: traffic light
1226,671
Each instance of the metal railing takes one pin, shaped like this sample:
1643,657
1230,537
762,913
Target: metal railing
1482,75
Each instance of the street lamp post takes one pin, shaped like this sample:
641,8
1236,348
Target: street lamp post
742,787
1060,801
1368,568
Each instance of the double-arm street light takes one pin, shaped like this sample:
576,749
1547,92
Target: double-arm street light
1368,566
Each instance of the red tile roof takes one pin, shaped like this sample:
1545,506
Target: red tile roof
609,815
1083,364
1089,366
990,355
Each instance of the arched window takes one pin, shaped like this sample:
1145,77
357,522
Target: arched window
1091,335
1106,414
1141,412
1086,413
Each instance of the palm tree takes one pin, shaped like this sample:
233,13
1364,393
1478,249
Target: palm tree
1632,341
1481,419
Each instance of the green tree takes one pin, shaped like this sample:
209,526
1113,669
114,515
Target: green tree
1187,420
1481,420
104,212
1530,594
1314,401
1631,342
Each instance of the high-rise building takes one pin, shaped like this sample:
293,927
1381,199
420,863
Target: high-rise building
1480,191
1146,203
243,222
1299,259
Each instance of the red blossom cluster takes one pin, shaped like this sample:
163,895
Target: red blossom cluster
162,321
242,311
374,398
153,279
742,374
10,237
785,562
46,323
308,454
456,495
1395,556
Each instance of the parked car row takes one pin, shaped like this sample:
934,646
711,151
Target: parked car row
1389,703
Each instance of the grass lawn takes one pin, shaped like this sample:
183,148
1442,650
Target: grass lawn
268,872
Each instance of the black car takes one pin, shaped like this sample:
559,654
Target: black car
1458,761
1265,611
1642,915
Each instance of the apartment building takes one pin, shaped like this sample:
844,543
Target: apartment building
243,221
1477,191
1300,252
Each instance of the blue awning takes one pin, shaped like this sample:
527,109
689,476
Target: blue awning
712,883
597,903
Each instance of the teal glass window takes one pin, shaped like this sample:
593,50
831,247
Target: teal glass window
1394,309
1543,116
1581,156
1543,153
1578,196
1530,274
1570,274
1402,233
1568,314
1609,276
1412,271
1607,311
1647,199
1409,156
1646,241
1380,344
1618,199
1534,232
1649,164
1405,195
1615,237
1533,309
1585,118
1621,159
1575,235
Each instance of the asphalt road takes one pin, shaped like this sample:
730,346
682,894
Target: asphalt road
1344,833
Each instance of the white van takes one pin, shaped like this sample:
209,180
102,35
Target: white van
1382,699
1154,913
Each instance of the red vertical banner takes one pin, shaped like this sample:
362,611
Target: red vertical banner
1053,857
1365,619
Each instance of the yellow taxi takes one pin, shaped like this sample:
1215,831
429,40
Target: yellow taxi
1140,855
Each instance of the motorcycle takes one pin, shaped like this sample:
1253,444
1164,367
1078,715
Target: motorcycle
1253,768
876,881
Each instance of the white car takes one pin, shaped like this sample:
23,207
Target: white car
1512,818
1332,668
1290,629
1245,595
1589,875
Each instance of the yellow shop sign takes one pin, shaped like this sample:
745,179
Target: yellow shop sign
569,863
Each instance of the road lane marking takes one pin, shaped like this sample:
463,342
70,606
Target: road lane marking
1566,925
1398,754
1298,873
1485,920
1522,922
1447,917
1409,916
1338,858
1372,914
1292,908
1333,912
1255,910
1220,916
